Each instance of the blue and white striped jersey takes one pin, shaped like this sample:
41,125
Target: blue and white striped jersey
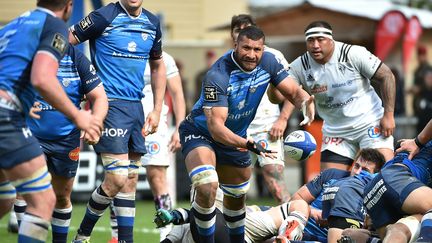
32,32
121,45
78,77
227,85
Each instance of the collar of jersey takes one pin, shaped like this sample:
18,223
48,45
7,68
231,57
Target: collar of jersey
46,11
130,16
232,57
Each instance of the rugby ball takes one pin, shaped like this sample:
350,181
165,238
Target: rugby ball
299,145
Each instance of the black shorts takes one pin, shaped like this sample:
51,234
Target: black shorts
343,223
329,156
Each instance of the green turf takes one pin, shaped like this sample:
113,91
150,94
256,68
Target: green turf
144,230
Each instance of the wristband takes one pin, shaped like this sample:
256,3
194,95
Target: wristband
417,142
256,147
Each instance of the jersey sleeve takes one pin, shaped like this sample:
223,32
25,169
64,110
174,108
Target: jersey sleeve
276,69
94,24
214,89
364,61
87,72
171,67
156,50
54,38
316,185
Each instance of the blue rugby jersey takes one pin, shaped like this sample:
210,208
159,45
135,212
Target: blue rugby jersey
316,188
344,197
34,31
121,45
77,77
227,85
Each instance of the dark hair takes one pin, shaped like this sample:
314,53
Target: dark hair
251,32
319,23
372,155
241,19
52,4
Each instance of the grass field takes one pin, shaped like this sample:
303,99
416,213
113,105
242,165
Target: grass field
144,230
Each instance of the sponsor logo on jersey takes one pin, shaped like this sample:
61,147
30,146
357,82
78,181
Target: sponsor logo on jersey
240,115
59,43
318,89
66,82
92,69
85,23
74,154
132,46
374,132
153,147
210,93
252,89
310,78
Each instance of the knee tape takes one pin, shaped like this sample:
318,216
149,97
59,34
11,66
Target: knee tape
235,191
115,166
413,225
7,191
39,181
134,167
203,174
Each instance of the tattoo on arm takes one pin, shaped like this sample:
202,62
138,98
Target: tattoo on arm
386,80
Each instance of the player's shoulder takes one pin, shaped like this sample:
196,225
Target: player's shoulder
332,173
346,51
152,18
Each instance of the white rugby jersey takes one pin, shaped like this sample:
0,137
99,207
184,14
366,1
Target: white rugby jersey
171,71
267,112
344,97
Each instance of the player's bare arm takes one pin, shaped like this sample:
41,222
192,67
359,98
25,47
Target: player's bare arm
99,101
303,194
174,86
386,80
280,124
414,145
158,84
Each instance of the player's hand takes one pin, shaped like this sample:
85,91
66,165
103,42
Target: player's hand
387,124
174,143
410,146
308,110
90,124
278,129
34,110
316,214
255,147
151,124
89,140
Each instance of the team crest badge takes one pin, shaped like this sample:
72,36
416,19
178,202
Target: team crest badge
66,82
144,36
374,132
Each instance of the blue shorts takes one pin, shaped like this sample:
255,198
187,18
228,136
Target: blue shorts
62,155
385,194
17,143
191,138
122,129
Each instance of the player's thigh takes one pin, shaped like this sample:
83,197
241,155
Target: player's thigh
416,202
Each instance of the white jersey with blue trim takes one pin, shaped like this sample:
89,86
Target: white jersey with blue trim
121,45
33,32
171,71
344,97
226,84
267,112
78,77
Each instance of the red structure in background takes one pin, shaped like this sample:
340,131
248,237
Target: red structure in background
412,34
388,31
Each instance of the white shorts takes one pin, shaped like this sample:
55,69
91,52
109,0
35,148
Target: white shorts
264,139
259,226
369,137
157,147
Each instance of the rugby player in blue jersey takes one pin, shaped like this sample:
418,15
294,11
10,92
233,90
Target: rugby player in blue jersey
213,136
366,161
31,47
123,38
399,196
60,138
